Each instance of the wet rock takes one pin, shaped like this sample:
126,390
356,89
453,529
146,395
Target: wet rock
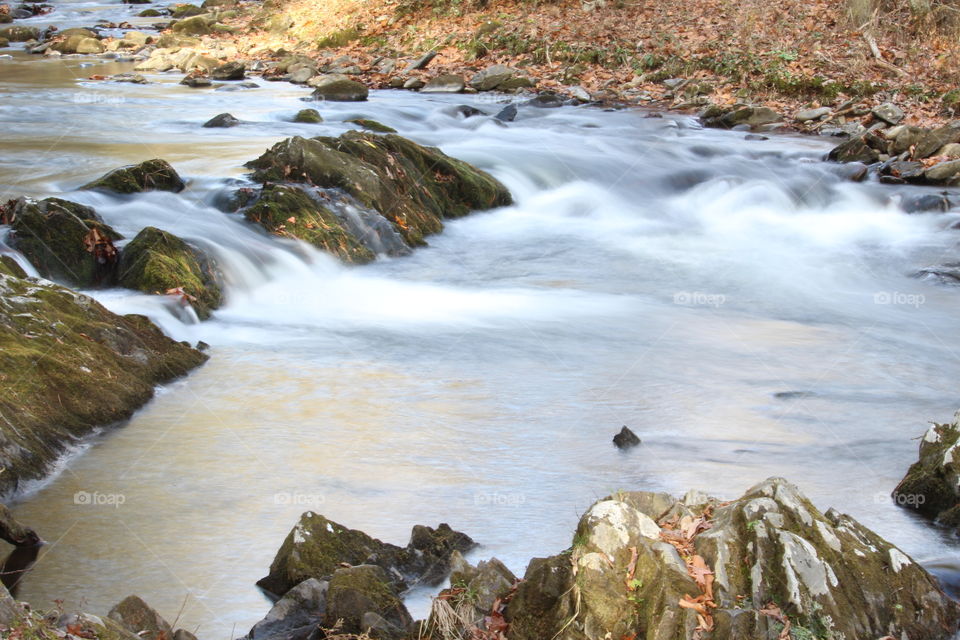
152,175
158,262
138,617
626,439
932,484
19,33
752,116
414,83
149,13
372,125
507,114
546,101
945,274
491,77
412,186
198,82
17,534
308,116
447,83
338,88
809,115
295,615
422,61
888,112
289,211
229,71
854,150
929,202
580,94
10,267
929,142
467,111
317,547
64,241
829,575
221,121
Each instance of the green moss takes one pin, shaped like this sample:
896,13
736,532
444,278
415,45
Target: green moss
68,365
339,38
308,116
289,211
152,175
156,261
372,125
186,11
11,267
52,235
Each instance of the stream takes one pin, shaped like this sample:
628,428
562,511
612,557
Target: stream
737,303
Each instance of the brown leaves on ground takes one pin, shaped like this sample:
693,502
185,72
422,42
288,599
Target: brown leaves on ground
773,611
680,532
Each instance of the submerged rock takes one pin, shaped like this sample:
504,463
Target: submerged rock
747,569
317,547
932,484
159,262
152,175
65,241
290,211
78,367
412,186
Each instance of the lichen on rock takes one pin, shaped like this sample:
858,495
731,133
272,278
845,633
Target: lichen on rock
932,484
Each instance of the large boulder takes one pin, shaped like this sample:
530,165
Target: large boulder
930,142
159,262
137,616
316,547
363,599
412,186
64,240
78,367
727,118
767,565
152,175
288,210
932,484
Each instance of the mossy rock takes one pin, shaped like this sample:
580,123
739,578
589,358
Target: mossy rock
156,261
4,43
372,125
289,211
152,175
149,13
340,38
932,484
180,11
315,548
56,237
193,26
308,116
412,186
18,33
67,366
141,619
338,89
11,267
356,592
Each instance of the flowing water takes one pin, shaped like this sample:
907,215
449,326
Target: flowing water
740,306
